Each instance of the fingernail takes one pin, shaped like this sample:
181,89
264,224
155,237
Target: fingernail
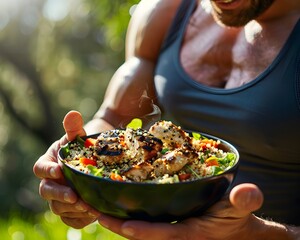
67,197
79,207
128,231
92,215
53,173
247,199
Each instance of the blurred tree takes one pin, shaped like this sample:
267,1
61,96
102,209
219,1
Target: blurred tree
55,55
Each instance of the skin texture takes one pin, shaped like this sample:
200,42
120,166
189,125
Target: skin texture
245,53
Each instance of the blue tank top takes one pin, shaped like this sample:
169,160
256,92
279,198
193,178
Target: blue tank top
261,118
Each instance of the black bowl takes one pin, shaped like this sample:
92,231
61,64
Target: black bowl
151,201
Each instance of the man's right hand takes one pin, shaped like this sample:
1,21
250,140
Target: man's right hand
62,200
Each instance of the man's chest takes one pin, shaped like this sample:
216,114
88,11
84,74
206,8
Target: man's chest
226,58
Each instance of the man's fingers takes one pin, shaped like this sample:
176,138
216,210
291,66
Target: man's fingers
141,230
46,166
148,231
73,125
78,209
77,223
47,169
246,197
50,190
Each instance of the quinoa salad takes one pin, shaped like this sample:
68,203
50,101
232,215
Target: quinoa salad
163,154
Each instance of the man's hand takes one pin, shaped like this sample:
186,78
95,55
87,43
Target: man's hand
61,198
231,219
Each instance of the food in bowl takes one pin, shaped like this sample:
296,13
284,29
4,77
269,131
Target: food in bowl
163,154
99,170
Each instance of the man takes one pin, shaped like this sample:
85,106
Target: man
231,71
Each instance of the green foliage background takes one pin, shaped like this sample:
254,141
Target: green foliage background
55,55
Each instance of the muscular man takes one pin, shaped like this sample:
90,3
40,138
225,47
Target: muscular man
230,68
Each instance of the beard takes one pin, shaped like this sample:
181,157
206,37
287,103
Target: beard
235,18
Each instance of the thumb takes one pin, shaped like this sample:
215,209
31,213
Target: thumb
246,198
73,125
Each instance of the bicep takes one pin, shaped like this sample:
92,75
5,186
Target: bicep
131,92
148,27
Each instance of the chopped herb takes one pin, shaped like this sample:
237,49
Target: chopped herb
217,170
95,171
164,151
201,159
229,159
65,150
193,172
80,140
196,136
135,124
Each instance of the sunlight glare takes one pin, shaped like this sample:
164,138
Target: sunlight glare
56,10
18,235
73,234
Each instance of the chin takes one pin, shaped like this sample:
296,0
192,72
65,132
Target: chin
229,22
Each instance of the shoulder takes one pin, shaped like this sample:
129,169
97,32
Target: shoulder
148,27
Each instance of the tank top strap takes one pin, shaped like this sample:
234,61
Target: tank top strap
292,47
297,37
182,15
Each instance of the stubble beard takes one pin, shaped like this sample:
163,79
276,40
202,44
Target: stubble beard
232,18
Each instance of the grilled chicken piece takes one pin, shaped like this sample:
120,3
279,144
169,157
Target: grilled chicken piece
171,135
109,148
139,172
142,146
173,161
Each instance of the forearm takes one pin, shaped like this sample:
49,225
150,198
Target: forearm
269,230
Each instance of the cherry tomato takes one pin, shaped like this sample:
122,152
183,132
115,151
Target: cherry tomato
87,161
116,177
212,161
184,176
89,142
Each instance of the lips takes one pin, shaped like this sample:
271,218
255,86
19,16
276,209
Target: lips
227,4
223,1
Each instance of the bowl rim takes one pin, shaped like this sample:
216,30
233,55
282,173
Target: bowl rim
209,178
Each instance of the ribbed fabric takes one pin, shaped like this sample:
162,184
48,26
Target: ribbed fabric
261,118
